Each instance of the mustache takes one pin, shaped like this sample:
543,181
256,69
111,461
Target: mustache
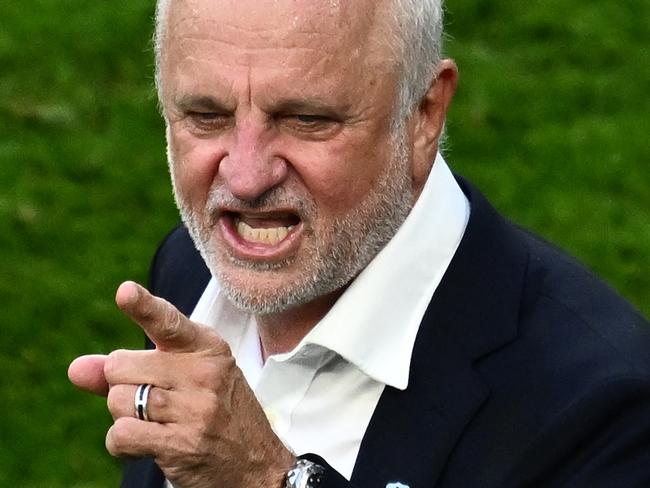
277,197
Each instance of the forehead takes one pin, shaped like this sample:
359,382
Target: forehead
260,14
316,36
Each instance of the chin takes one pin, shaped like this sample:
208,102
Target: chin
262,301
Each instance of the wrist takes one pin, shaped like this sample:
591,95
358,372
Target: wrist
278,475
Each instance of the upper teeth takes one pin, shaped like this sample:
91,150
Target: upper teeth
271,235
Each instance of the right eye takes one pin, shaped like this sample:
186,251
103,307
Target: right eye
208,121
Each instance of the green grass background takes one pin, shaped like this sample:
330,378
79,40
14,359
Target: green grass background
551,120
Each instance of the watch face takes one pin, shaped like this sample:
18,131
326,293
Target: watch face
305,474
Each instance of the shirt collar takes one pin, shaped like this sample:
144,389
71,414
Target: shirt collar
379,314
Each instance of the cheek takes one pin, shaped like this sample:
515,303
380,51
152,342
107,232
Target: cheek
195,165
338,177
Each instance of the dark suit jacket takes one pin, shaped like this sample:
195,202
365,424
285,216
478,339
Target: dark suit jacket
527,371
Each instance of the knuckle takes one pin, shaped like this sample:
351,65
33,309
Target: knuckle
117,437
112,363
157,401
171,324
228,368
113,400
145,308
221,347
121,431
208,417
111,447
206,374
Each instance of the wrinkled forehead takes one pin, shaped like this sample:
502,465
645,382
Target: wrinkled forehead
332,26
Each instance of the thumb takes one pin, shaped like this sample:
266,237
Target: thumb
87,372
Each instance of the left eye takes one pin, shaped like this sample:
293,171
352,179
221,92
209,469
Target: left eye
310,125
205,115
310,119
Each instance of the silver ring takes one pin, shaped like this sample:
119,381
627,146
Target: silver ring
141,398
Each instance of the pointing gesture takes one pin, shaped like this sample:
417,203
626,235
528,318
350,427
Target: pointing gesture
168,328
202,417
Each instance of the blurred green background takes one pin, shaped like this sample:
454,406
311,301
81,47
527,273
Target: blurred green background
551,120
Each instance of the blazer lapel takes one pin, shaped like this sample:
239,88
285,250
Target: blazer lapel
473,312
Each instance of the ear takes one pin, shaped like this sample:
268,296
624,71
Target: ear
429,119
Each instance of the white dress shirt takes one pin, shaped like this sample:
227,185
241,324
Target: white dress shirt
320,396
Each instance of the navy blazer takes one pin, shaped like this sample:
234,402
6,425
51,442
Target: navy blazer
527,371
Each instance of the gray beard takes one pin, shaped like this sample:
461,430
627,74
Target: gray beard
341,252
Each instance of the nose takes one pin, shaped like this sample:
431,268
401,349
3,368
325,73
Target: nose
250,168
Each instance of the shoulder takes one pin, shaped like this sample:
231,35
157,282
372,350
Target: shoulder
575,333
561,306
564,309
583,379
575,311
569,391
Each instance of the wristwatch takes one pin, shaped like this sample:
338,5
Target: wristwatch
304,474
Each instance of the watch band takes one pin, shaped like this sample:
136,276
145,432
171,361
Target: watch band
305,474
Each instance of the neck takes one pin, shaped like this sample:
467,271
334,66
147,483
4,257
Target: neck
281,332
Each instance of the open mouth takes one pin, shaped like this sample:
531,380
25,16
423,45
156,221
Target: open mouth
266,229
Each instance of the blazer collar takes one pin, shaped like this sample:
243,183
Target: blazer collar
473,312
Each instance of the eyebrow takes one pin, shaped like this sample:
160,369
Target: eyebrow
203,102
309,105
289,105
315,106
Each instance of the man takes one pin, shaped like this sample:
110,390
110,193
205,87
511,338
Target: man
368,320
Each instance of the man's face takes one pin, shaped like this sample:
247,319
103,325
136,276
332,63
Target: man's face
284,164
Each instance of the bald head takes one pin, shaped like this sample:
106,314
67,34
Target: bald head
411,30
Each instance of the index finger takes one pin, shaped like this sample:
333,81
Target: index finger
163,323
